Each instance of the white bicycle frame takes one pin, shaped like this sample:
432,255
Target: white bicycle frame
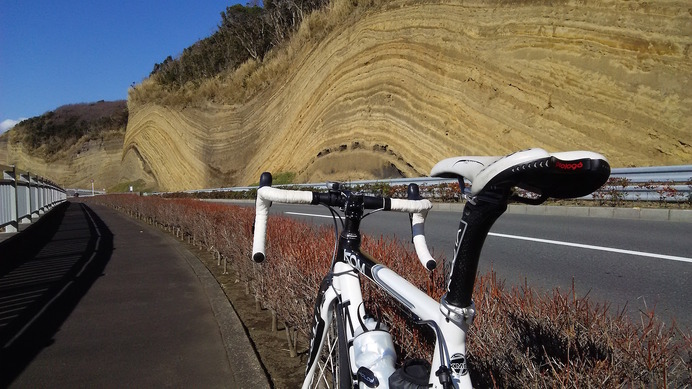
450,334
558,175
449,323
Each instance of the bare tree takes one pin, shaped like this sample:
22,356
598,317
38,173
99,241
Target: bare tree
247,26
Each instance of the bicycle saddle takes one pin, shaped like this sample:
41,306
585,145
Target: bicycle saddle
558,175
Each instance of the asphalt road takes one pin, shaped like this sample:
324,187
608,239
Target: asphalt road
636,264
93,298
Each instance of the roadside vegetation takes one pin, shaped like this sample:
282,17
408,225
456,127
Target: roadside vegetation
250,50
124,187
521,337
56,131
670,194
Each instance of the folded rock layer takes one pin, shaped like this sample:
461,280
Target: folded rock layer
406,85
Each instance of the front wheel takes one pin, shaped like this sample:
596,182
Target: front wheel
332,367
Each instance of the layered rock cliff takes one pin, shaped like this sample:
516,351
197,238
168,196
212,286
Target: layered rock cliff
410,83
100,160
76,145
403,84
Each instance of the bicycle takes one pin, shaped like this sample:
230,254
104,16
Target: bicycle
347,347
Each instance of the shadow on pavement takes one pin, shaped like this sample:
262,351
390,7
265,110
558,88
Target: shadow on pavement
44,273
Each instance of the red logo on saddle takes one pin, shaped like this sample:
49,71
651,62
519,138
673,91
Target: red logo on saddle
569,166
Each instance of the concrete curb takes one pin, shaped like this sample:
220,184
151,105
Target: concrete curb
241,353
246,367
654,214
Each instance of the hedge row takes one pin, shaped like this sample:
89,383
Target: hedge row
611,194
520,338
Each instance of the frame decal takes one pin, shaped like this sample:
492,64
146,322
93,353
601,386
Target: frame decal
458,364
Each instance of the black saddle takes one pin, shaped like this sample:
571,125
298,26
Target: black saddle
558,175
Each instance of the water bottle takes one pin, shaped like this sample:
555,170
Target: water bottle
374,355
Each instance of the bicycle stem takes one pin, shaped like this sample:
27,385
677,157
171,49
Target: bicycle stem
478,217
353,211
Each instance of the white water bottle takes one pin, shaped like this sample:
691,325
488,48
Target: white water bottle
374,355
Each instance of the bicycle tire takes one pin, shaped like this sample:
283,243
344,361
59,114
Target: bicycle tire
333,370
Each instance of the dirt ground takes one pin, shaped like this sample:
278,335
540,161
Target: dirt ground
283,370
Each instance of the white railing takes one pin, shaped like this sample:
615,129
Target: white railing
24,197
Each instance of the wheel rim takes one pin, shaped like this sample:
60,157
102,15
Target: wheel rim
328,372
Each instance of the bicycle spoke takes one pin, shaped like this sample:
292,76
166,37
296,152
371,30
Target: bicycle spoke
327,373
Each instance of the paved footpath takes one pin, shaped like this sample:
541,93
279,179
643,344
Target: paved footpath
93,298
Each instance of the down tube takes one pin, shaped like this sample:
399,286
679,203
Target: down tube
427,309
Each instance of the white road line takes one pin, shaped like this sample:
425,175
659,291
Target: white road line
308,214
591,247
557,242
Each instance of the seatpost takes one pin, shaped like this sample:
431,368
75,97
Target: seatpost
478,217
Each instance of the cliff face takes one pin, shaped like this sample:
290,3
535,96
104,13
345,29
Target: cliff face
100,160
408,84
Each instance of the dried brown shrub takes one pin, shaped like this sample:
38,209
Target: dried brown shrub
520,338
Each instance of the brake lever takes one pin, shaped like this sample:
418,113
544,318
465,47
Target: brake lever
412,193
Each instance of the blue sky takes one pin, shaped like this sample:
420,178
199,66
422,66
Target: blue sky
57,52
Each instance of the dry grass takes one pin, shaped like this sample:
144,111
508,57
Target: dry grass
610,195
520,338
235,86
239,85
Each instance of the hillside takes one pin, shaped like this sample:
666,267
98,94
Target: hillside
75,144
385,89
395,88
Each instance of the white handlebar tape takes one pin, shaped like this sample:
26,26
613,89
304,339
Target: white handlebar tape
418,231
265,196
419,209
411,206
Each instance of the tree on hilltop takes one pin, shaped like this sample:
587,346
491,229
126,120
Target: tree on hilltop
245,32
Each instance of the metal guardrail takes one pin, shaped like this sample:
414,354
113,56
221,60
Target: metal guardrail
76,192
658,183
676,174
663,193
24,197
